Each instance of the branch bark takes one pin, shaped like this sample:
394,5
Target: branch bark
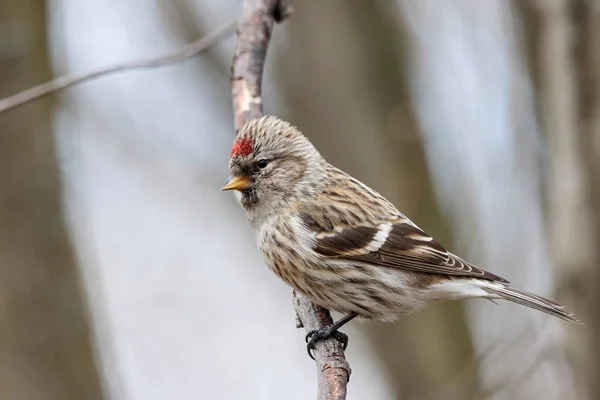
254,33
332,367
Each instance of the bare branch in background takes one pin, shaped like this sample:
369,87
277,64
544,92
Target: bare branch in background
63,82
254,34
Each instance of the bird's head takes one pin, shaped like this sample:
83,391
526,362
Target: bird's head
271,164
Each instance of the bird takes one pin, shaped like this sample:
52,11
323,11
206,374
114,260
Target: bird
343,245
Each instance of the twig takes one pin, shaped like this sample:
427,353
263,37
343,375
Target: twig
63,82
254,34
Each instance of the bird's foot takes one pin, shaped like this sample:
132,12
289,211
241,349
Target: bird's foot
316,335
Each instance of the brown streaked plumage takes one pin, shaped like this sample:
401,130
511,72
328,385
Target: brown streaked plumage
342,244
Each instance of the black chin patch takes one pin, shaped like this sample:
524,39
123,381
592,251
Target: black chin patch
249,198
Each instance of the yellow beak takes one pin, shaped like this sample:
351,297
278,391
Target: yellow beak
237,182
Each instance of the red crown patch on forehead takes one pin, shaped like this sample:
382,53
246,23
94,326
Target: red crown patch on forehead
241,147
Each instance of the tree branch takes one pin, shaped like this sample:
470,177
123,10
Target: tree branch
63,82
332,366
254,33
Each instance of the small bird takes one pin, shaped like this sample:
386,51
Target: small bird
340,243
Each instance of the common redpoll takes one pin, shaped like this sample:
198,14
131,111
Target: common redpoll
342,244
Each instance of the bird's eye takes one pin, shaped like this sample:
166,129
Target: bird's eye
262,163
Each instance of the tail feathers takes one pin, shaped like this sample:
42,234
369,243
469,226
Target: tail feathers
529,300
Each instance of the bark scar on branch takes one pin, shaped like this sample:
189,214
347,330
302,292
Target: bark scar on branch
254,33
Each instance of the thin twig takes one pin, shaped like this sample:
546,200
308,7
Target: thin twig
63,82
254,34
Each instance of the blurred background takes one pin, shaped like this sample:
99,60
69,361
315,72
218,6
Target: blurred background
126,274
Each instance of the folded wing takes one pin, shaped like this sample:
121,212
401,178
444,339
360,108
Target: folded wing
397,243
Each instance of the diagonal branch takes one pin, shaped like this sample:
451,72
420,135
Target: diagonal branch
254,34
63,82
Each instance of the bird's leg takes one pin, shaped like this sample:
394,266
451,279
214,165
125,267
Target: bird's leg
316,335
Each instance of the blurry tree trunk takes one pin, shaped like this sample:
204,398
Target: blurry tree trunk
474,101
586,23
45,340
567,199
565,37
562,91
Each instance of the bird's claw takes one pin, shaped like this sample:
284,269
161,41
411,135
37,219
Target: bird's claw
316,335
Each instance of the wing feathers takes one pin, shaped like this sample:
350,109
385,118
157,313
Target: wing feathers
395,244
351,240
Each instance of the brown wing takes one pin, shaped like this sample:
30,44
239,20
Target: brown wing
394,244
